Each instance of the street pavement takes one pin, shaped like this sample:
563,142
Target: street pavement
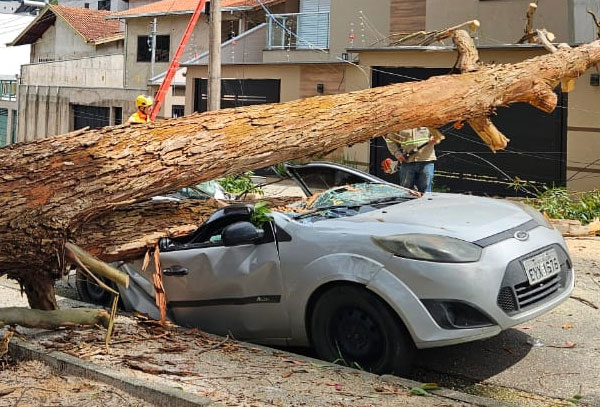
555,355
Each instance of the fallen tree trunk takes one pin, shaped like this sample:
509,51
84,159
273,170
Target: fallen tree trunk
50,189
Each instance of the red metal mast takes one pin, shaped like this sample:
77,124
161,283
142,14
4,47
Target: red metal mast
166,83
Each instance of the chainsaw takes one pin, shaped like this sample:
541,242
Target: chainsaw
390,166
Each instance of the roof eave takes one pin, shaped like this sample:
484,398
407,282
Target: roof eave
16,41
106,40
154,14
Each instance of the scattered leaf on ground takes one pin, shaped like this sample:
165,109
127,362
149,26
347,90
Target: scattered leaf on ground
567,345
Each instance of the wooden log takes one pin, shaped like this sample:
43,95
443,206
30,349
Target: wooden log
50,189
79,256
529,31
596,23
33,318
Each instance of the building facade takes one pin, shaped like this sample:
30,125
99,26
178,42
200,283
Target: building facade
332,46
76,73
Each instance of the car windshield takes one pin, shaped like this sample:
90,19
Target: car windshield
350,200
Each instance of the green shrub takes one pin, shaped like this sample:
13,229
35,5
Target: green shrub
240,184
558,203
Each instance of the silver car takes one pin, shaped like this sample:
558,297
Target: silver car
364,273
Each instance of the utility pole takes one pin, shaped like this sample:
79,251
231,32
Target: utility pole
214,52
153,47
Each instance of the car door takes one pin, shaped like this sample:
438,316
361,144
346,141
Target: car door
236,289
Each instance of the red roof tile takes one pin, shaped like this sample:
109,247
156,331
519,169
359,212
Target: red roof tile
91,24
184,6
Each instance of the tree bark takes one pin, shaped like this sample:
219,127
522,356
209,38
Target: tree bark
51,189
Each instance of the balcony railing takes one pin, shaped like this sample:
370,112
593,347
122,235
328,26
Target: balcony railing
298,31
8,90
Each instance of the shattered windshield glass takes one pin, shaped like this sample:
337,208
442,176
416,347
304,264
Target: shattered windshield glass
349,200
359,194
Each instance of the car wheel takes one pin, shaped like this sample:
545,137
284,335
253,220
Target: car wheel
89,291
353,326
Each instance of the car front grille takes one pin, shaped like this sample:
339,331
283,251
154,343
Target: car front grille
516,294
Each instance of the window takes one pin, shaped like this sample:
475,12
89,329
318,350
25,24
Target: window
86,5
144,49
92,116
238,92
14,127
104,5
117,115
177,111
178,90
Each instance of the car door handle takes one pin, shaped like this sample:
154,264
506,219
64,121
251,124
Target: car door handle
175,271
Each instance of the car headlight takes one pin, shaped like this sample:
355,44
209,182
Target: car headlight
435,248
535,214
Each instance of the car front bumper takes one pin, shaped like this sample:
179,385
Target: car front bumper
403,283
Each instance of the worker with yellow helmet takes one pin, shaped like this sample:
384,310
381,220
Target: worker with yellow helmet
143,104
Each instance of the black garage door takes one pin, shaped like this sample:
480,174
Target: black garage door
238,92
92,116
536,152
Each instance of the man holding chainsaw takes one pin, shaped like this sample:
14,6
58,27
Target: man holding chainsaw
414,150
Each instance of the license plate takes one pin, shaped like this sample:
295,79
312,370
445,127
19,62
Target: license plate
541,266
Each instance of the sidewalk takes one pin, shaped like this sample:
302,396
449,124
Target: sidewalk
187,367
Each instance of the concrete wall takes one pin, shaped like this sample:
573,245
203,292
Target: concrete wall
138,73
503,21
47,110
94,72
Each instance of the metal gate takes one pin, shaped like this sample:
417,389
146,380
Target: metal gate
92,116
238,92
3,127
536,153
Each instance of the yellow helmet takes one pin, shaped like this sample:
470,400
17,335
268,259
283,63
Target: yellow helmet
144,101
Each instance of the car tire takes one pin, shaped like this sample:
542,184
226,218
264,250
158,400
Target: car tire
352,326
89,291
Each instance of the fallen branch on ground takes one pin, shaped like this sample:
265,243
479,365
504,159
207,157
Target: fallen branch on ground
32,318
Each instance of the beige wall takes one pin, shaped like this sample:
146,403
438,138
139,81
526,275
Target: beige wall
583,142
93,72
502,21
138,73
346,14
345,19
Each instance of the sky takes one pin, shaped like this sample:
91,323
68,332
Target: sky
11,58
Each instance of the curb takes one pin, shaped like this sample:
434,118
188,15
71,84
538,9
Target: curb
449,394
154,393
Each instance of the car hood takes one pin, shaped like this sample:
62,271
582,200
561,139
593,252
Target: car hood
462,216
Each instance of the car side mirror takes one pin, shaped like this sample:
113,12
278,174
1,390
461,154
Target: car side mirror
241,233
164,243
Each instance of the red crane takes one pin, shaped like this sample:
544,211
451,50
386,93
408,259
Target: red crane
166,83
